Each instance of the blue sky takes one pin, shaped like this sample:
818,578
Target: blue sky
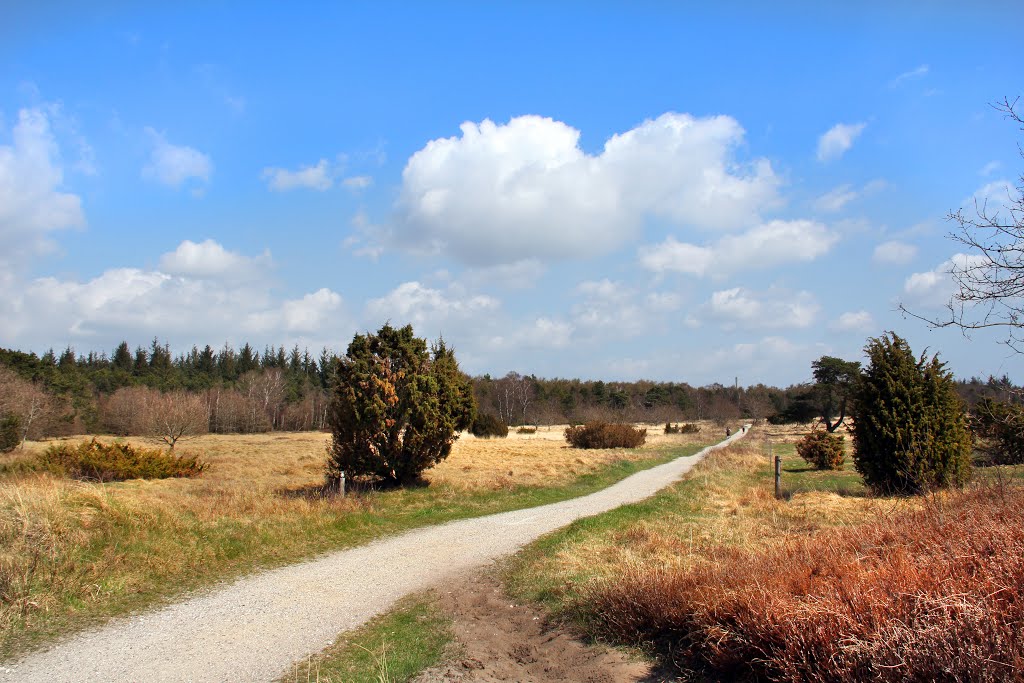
602,190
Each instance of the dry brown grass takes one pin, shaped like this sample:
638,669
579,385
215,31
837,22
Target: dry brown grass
73,552
540,459
727,500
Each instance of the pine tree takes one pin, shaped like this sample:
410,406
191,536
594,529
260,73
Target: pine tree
910,429
247,359
123,357
67,359
141,364
227,363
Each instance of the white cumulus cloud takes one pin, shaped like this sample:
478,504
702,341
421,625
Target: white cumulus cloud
413,302
518,275
32,203
774,308
203,299
526,190
835,142
993,197
765,246
935,287
854,321
538,333
173,165
208,259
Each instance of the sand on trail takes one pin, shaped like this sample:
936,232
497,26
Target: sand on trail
254,628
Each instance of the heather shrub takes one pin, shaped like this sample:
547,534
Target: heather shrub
487,425
823,450
910,429
526,430
95,461
10,433
605,435
671,428
935,595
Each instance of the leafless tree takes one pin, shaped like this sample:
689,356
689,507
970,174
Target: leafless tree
515,393
264,393
166,416
33,406
121,412
989,280
176,415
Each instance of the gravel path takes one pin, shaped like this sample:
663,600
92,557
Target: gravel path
253,629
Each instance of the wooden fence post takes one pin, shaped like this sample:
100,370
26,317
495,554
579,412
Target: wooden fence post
778,477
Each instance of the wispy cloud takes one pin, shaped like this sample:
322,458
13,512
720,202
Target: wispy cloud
919,72
316,177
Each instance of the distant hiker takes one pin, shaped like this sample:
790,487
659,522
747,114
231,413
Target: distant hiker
728,432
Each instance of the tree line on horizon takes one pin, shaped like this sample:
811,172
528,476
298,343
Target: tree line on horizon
245,390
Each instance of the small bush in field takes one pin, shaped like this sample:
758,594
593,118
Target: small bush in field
685,428
823,450
605,435
486,425
95,461
526,430
10,433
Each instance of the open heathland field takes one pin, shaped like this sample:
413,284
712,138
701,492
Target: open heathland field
75,552
716,578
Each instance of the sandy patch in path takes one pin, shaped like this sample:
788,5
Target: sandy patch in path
505,641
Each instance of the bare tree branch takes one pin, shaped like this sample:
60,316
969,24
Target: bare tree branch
989,279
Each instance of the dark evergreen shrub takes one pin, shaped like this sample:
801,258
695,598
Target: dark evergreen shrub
396,407
999,430
822,449
605,435
910,429
685,428
487,425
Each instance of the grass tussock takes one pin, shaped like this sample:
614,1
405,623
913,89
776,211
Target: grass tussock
936,594
605,435
103,462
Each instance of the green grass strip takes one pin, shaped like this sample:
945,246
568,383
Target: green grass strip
391,648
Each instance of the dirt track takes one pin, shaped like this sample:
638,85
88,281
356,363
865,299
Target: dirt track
254,628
